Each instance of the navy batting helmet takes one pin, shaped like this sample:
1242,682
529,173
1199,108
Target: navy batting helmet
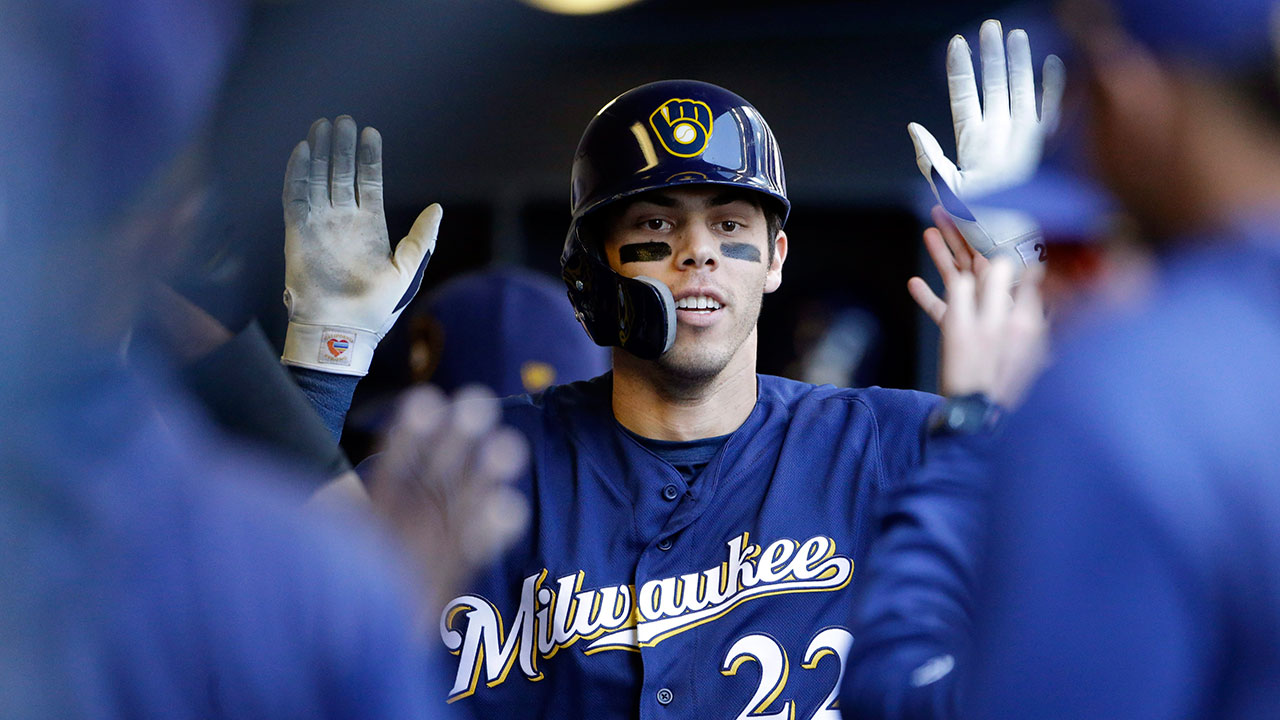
664,134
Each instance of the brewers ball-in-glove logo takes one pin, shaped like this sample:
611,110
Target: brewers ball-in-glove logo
682,126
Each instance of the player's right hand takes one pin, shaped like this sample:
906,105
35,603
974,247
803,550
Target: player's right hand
344,287
444,482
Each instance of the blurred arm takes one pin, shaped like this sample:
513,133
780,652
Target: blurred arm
913,610
222,369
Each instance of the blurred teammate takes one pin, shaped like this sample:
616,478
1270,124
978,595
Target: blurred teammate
695,526
1135,559
150,568
912,612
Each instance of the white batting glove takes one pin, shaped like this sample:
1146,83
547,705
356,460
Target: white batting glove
998,142
343,286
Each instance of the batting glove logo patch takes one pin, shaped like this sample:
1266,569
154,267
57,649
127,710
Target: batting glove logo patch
334,349
682,126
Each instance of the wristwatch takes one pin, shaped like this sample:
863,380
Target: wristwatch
964,415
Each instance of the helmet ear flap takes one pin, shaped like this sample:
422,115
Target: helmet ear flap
664,308
635,314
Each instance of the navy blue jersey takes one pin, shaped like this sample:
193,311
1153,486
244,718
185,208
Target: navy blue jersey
1134,563
636,594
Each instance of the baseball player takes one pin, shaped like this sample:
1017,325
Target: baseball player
695,526
1153,591
151,566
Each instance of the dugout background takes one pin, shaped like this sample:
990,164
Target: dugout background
481,103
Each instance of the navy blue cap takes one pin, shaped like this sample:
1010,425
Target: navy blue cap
512,330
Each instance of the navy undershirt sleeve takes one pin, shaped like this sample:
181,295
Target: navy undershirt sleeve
329,393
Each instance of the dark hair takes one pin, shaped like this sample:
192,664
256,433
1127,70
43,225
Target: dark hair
773,211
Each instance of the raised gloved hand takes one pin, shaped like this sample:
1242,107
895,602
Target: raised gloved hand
998,142
344,287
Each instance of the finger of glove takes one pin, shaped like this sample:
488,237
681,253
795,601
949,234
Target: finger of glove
320,138
500,457
421,414
504,455
929,302
1022,88
914,131
296,189
929,156
415,249
1054,82
502,512
488,512
962,86
369,170
995,73
343,181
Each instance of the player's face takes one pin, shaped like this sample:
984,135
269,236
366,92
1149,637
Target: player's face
710,246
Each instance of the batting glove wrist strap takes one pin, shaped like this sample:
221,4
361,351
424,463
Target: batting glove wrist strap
344,284
340,349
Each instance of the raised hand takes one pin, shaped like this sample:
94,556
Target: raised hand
993,342
344,287
444,483
999,141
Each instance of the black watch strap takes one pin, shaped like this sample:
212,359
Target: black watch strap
964,415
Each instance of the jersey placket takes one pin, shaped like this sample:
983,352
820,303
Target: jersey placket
670,664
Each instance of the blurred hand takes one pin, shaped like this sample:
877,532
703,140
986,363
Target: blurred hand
999,141
444,483
344,287
992,342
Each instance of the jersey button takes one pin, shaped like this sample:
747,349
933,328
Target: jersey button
664,544
670,492
665,697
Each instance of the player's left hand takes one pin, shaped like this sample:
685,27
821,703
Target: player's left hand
344,285
444,483
994,336
999,141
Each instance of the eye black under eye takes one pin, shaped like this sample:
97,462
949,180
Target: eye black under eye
644,252
740,251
